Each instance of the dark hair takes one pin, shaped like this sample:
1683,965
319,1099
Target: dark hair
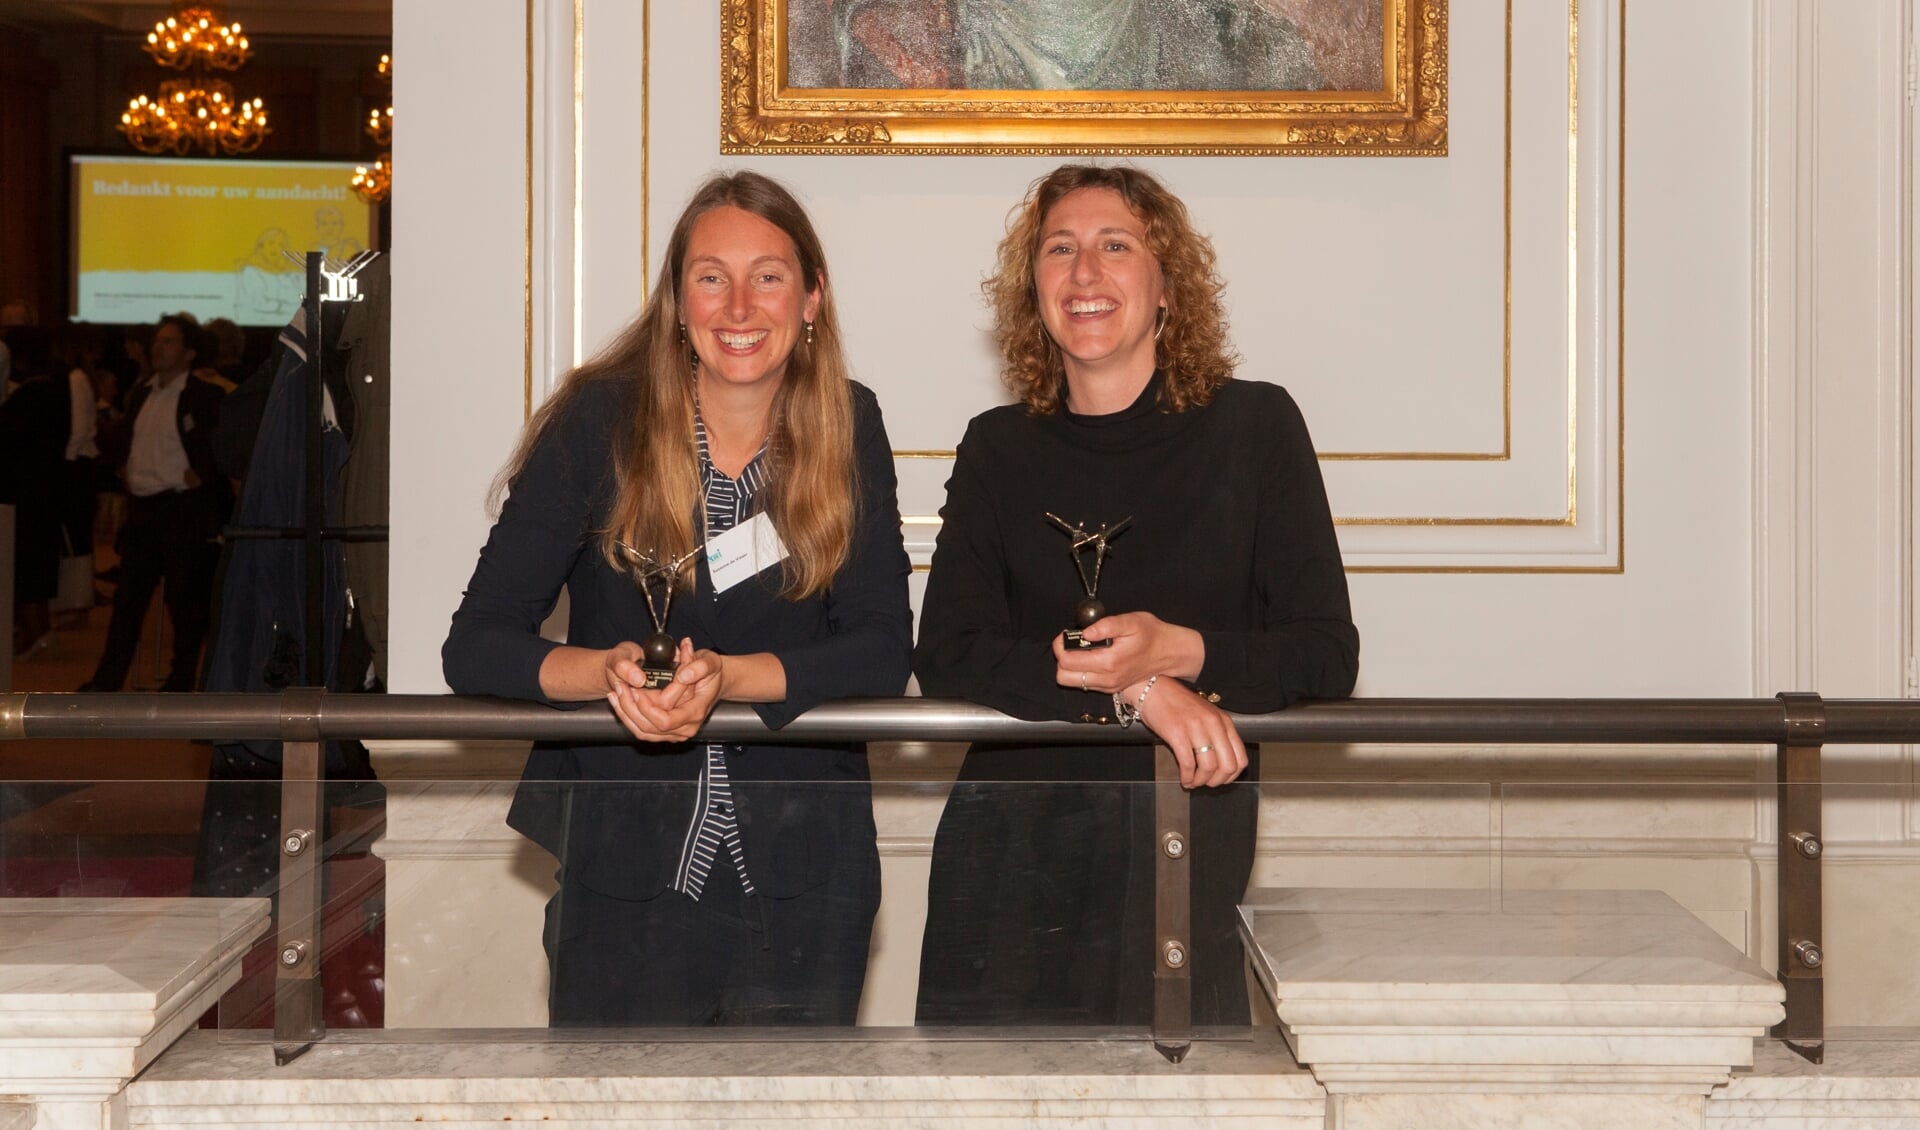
30,354
196,338
1192,351
77,345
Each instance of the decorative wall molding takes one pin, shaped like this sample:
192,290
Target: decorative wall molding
1833,495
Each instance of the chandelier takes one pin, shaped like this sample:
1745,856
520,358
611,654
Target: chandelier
198,111
374,183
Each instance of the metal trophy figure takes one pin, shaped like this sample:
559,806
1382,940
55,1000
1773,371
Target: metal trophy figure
657,650
1090,609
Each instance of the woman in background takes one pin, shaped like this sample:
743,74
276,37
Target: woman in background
701,882
1226,591
33,445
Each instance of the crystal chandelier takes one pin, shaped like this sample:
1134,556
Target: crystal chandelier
198,111
374,183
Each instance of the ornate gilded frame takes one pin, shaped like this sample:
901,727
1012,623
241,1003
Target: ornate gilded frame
760,114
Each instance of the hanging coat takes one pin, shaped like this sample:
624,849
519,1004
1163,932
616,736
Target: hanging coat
260,644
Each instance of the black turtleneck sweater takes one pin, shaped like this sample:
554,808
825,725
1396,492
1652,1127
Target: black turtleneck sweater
1230,535
1040,901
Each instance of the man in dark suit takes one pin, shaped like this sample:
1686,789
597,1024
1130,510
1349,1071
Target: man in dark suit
177,502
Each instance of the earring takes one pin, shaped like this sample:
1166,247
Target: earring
809,335
1160,323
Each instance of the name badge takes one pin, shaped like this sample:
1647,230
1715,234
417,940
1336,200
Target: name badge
743,552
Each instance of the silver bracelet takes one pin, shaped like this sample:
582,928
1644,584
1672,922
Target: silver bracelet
1127,713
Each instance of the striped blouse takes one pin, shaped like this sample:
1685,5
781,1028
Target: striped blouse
714,829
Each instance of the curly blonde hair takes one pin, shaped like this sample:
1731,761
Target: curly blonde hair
1192,351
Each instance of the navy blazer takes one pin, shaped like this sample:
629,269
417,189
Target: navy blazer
619,829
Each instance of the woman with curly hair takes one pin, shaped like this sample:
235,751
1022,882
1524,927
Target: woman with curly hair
1225,588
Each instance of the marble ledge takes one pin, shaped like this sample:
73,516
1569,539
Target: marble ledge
887,1079
92,990
1475,946
76,956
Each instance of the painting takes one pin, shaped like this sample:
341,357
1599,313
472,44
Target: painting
1084,76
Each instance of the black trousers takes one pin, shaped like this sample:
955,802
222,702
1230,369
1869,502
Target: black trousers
1040,905
728,959
166,539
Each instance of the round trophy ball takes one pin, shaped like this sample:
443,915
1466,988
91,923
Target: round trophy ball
657,650
1087,611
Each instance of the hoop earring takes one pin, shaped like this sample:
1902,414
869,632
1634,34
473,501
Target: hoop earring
1160,323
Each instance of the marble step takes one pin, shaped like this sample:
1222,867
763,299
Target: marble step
1870,1080
897,1079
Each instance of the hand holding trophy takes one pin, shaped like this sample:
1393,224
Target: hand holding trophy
657,650
1090,609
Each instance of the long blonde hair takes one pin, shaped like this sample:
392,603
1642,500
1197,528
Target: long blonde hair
1192,351
809,492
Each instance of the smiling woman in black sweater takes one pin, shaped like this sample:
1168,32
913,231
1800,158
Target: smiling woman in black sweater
1225,592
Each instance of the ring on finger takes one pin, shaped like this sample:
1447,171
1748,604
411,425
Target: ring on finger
1083,680
1207,748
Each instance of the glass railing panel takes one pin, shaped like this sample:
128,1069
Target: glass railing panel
1636,834
963,908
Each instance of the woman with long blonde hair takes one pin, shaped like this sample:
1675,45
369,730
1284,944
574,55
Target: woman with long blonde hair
701,882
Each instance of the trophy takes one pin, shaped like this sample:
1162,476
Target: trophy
1090,609
657,650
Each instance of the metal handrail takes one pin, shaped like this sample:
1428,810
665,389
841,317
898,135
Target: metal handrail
1422,721
1796,724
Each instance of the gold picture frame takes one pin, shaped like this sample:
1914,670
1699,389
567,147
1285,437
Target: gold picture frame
763,112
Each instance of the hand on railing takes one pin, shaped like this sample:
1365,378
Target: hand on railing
1200,734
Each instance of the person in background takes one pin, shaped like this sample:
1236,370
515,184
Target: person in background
15,312
229,359
131,365
33,442
177,503
77,348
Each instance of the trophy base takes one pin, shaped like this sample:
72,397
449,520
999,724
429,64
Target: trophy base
658,677
1076,642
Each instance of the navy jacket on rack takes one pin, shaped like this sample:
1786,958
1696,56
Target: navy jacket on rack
260,641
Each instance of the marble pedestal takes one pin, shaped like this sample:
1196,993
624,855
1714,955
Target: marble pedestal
1478,1008
92,990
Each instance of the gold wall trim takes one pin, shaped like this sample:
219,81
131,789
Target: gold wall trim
1620,286
526,391
1571,516
1619,565
1573,259
1505,452
579,173
646,155
1506,308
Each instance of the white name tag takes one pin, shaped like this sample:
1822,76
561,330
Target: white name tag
743,552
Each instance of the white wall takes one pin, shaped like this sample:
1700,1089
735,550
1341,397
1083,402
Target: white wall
1703,418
